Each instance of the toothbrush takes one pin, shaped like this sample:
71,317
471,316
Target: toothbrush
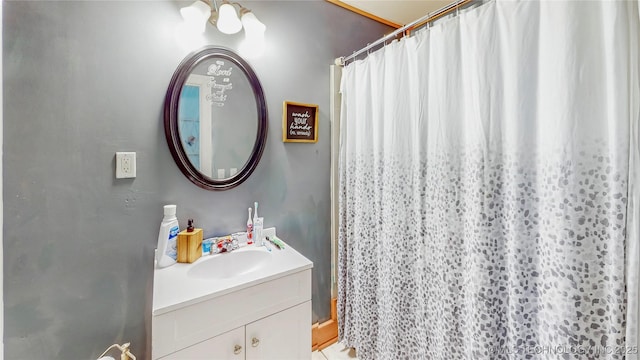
267,246
271,241
277,242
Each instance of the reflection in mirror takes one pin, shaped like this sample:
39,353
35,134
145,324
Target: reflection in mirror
215,118
217,128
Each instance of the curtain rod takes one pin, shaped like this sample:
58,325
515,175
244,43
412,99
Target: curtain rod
341,61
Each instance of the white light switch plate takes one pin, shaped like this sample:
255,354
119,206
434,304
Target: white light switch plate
125,165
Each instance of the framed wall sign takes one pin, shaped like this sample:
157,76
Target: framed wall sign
299,122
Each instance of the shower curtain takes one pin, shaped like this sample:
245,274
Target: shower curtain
488,187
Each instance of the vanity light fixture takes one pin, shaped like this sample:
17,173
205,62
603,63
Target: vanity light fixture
226,19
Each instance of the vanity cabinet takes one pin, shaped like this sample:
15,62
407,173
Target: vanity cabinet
284,335
262,321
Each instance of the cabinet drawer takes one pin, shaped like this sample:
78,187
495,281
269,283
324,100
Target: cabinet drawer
181,328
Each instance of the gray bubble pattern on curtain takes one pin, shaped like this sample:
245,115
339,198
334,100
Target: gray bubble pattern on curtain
457,241
504,260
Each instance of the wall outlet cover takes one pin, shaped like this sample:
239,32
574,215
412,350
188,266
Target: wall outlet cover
125,165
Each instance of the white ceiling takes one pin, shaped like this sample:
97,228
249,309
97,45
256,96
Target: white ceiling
400,12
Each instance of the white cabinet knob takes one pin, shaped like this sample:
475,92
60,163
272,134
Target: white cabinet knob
255,342
237,349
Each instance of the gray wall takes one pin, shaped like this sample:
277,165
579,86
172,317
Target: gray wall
83,80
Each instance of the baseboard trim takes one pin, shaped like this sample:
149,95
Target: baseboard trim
325,334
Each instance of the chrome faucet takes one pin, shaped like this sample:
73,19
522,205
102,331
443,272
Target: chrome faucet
225,244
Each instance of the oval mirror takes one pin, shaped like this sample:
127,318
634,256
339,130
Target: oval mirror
215,118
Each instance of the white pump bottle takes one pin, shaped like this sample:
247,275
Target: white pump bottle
167,253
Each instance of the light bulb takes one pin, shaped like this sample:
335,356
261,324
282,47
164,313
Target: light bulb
228,21
252,25
196,15
253,44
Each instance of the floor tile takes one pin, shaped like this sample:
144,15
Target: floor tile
338,351
317,355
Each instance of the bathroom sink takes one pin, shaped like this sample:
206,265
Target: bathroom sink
213,276
224,266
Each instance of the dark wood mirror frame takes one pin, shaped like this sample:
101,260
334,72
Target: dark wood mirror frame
171,125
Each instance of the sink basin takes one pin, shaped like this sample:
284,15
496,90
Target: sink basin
224,266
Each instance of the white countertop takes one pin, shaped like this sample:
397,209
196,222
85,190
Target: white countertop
173,289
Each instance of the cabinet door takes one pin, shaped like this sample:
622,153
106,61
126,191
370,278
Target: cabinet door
282,336
227,346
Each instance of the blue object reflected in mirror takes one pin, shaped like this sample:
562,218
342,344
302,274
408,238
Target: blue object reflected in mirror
189,115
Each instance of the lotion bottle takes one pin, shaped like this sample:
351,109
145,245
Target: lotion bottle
167,253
